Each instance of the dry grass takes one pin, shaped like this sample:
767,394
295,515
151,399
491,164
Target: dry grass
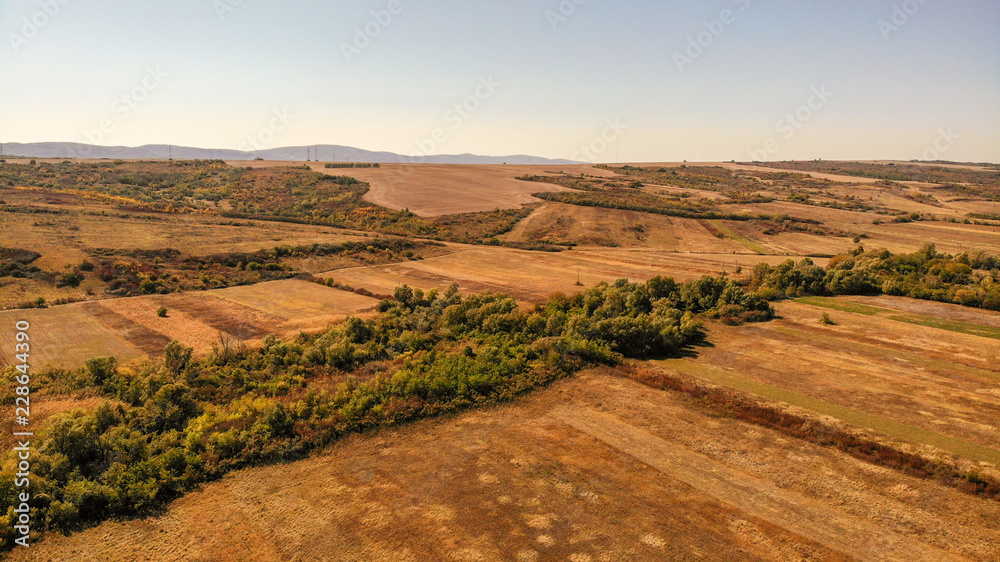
533,276
68,239
64,336
591,226
431,190
934,380
594,468
610,478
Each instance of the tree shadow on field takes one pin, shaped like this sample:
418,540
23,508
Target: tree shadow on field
690,351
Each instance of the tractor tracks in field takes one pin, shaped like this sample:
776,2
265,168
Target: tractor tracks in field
759,498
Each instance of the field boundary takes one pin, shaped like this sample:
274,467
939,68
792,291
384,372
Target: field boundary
885,353
745,241
799,514
900,316
845,414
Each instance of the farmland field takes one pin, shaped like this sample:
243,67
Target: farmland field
433,190
594,468
601,464
918,380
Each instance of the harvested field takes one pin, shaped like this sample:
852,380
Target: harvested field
591,226
943,310
595,468
919,383
65,239
432,190
533,276
64,337
303,305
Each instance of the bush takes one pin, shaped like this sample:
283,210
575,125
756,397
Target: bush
185,420
71,278
161,312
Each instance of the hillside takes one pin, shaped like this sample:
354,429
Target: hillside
432,361
322,153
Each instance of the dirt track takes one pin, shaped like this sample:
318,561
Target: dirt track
759,498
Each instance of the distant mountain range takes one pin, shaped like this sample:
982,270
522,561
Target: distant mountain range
325,153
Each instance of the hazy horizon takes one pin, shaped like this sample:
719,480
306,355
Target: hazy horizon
572,79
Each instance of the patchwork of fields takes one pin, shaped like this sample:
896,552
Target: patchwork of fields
595,467
68,335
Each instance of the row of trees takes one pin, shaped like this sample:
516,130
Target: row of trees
170,425
970,279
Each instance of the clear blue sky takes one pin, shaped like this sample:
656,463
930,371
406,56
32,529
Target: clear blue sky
933,80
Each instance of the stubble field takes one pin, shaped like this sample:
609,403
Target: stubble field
596,467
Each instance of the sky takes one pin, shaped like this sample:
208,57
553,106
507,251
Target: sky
623,81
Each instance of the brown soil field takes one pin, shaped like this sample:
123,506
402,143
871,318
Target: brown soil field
533,276
937,381
591,226
431,190
594,468
66,336
63,336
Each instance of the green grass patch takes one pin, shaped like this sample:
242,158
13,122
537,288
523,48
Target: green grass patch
883,425
908,318
747,242
889,354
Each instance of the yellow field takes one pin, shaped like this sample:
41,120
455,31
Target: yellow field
66,336
533,276
63,337
594,468
927,385
432,190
